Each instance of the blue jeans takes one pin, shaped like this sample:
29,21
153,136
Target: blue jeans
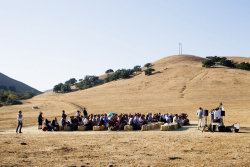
19,124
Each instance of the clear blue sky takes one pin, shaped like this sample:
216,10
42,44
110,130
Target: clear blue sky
46,42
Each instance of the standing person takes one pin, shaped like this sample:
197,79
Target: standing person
221,107
200,116
40,120
20,122
63,114
85,113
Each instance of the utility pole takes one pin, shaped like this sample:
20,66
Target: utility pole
180,48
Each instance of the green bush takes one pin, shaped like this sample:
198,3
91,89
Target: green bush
149,71
148,65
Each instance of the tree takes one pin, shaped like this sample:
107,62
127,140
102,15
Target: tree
71,81
149,71
65,88
227,63
57,88
12,88
109,71
12,99
148,65
208,63
137,68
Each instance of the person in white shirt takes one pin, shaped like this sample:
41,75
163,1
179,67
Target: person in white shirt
217,115
19,122
200,116
78,113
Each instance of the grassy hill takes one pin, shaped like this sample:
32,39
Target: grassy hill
178,84
19,86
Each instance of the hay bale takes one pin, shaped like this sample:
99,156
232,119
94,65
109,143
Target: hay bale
160,123
103,127
82,128
128,128
67,128
149,126
96,128
176,126
144,128
60,128
171,127
164,128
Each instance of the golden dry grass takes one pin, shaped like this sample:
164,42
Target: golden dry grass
179,84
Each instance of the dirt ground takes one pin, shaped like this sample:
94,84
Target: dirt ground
187,146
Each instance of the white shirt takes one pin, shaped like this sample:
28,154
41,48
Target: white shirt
217,114
85,121
199,114
175,119
20,117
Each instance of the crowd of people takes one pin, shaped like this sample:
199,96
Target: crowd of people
111,121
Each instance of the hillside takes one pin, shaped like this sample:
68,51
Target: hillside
179,84
19,86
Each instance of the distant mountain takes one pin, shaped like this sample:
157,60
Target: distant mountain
8,83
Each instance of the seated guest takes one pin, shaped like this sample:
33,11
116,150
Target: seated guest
137,124
87,123
71,123
63,121
78,113
131,120
55,124
142,120
121,122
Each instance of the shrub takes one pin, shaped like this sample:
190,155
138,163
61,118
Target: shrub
148,65
149,71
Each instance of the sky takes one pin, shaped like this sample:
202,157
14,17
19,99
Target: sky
44,42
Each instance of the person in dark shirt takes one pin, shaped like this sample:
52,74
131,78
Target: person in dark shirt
63,114
85,113
40,120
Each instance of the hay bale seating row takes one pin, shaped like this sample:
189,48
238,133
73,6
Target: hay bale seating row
152,126
171,126
146,127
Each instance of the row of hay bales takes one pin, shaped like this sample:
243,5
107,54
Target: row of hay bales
146,127
82,128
